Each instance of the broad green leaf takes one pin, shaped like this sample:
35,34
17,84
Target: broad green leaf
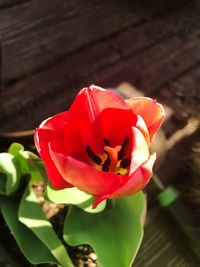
69,195
31,246
31,215
9,174
115,234
73,196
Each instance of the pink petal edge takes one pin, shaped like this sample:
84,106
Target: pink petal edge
150,110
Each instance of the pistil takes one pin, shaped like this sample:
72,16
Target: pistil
113,159
113,156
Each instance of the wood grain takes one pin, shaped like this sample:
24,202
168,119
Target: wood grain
163,244
160,48
37,34
8,3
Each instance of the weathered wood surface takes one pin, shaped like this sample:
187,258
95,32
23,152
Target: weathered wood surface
51,49
163,244
8,3
38,33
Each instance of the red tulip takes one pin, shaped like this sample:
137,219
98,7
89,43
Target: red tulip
101,145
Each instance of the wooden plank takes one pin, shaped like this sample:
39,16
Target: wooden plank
38,33
101,64
57,78
163,243
154,67
180,21
8,3
86,62
186,90
158,65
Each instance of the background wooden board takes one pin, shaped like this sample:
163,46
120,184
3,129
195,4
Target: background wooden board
163,244
49,50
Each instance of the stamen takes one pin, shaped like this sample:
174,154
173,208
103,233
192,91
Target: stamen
93,156
125,163
122,151
106,142
106,164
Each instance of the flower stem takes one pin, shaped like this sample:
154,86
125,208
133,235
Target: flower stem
158,182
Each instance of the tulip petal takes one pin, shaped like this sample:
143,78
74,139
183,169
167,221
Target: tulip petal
141,125
49,129
139,155
115,125
93,100
54,176
139,150
137,180
84,176
99,199
87,106
151,112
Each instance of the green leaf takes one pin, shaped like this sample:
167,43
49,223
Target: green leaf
9,174
25,160
73,196
115,234
38,165
69,195
32,248
15,148
31,215
89,208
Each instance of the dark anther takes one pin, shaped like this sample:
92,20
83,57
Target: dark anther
106,142
106,164
93,156
125,163
122,151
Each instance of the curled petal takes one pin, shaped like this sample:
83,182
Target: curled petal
84,176
54,176
99,199
51,129
151,112
137,180
139,150
141,125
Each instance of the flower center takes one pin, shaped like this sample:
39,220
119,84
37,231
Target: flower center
113,158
